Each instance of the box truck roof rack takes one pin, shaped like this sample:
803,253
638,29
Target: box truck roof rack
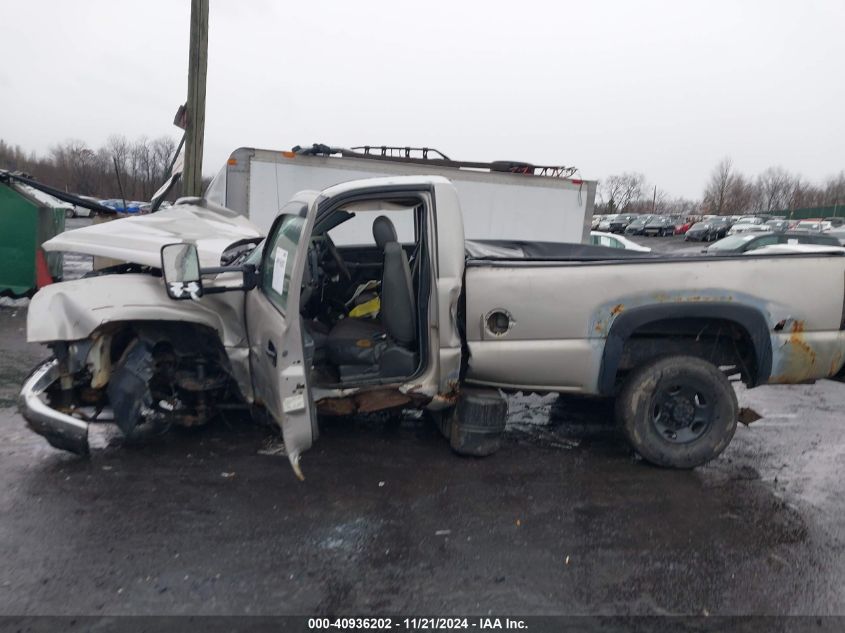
431,156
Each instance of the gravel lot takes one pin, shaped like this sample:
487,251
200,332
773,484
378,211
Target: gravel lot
563,520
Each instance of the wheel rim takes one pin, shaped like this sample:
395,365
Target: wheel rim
683,412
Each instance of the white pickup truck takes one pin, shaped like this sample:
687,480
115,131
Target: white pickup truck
208,314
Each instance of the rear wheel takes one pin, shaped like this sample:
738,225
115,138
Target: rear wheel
678,411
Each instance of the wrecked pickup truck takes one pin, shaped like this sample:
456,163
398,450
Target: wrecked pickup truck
207,314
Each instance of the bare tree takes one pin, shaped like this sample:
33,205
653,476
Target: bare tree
73,166
741,195
834,190
718,187
163,149
775,186
621,190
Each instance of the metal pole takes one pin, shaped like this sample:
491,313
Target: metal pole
197,67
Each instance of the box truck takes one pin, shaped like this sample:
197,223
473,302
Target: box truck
500,200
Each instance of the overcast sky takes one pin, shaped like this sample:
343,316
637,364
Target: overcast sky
665,88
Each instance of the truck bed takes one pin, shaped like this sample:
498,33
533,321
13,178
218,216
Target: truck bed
566,304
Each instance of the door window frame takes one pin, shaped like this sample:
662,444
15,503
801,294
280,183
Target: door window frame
425,227
299,212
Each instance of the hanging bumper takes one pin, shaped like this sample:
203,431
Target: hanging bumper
61,430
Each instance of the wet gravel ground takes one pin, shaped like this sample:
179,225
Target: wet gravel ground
563,519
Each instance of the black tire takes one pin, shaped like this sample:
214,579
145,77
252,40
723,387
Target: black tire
678,411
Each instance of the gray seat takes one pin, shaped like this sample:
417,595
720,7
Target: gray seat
383,347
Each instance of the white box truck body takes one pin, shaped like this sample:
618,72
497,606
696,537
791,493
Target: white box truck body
495,204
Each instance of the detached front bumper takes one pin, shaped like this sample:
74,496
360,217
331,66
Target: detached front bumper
61,430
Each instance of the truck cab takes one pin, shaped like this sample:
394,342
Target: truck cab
361,328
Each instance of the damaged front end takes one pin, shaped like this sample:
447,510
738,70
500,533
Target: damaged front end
142,377
62,430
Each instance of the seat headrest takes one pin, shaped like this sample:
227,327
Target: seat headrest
384,231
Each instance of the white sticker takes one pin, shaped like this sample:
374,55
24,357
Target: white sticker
293,403
791,241
280,263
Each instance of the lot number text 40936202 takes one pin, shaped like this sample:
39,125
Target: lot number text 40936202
417,624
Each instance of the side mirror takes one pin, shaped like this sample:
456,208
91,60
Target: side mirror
180,268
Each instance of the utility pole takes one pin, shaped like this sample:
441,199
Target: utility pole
197,67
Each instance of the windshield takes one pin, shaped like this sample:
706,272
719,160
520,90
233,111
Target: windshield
700,226
216,190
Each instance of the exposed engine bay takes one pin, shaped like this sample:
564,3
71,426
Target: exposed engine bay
360,313
145,377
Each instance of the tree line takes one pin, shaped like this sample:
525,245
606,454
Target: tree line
727,192
142,166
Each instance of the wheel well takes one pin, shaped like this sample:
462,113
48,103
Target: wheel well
185,336
721,341
729,333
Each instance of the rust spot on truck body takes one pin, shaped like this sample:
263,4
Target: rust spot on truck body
617,309
799,345
798,358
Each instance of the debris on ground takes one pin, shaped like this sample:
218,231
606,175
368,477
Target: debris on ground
748,415
274,448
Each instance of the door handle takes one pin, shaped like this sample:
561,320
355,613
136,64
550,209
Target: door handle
270,350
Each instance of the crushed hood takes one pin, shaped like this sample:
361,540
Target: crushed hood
139,239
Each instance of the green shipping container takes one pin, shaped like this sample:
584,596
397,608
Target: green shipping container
28,218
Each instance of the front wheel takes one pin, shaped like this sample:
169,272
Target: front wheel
678,411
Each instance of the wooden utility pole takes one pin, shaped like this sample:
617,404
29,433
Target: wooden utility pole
197,67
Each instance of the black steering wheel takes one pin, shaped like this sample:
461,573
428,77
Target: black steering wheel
338,260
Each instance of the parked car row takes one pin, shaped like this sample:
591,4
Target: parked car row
713,228
709,230
645,224
657,225
635,224
133,206
750,241
780,225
